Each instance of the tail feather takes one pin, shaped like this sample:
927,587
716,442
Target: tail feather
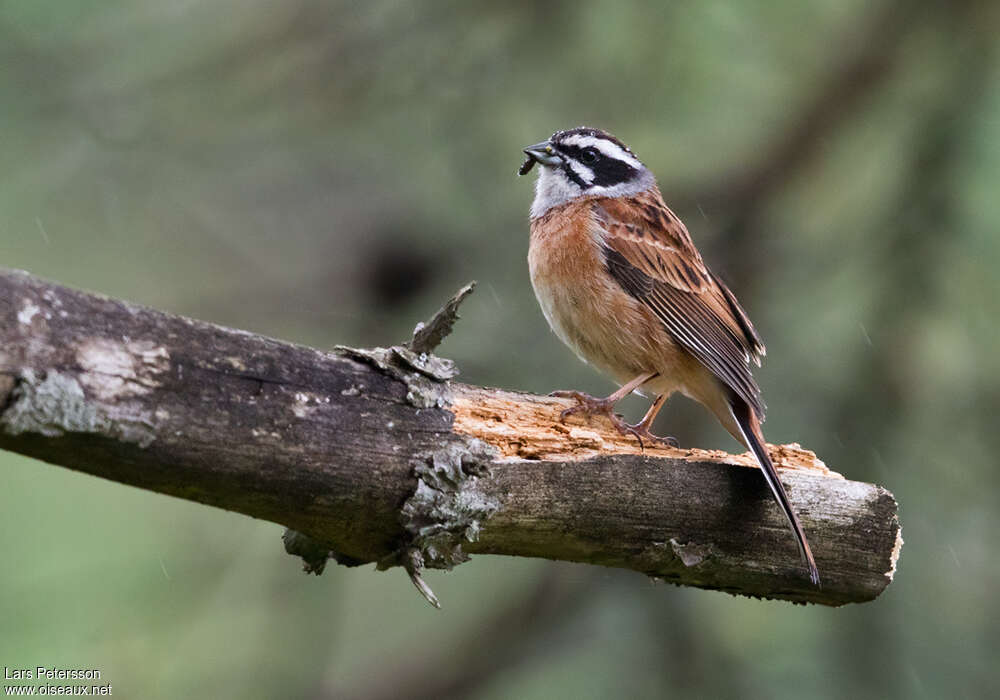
749,427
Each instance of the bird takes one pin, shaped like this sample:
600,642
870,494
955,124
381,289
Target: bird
620,281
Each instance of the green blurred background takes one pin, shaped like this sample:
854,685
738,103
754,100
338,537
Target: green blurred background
329,172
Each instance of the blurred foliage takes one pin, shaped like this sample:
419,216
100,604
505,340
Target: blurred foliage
329,172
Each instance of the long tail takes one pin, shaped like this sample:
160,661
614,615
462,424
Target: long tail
754,439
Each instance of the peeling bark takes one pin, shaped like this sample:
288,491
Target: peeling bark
376,456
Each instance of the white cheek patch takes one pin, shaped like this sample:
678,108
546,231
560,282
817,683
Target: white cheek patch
608,148
582,171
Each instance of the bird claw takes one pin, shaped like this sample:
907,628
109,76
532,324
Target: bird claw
640,431
593,406
586,404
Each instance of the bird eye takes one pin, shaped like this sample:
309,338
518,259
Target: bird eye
589,156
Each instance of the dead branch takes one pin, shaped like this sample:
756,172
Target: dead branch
377,456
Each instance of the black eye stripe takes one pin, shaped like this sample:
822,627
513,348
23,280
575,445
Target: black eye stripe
575,152
608,171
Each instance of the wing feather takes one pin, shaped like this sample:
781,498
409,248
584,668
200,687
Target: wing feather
651,255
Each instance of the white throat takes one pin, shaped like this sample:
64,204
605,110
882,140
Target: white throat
553,188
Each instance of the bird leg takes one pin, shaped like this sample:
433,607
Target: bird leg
591,405
641,429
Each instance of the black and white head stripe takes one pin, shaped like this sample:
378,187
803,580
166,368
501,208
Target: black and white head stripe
608,145
595,159
590,162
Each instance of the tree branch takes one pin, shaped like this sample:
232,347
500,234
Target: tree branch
377,457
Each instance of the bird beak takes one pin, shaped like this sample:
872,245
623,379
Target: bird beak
543,153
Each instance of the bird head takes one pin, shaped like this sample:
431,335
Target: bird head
583,162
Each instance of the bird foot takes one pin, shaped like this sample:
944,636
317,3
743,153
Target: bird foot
593,406
642,431
585,404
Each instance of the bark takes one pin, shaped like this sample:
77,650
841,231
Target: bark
375,455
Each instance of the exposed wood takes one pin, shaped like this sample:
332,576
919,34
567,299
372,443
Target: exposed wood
520,425
380,458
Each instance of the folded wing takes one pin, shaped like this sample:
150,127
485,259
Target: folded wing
649,252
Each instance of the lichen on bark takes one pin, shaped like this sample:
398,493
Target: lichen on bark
57,404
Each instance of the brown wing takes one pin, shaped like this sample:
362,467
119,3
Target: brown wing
650,253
